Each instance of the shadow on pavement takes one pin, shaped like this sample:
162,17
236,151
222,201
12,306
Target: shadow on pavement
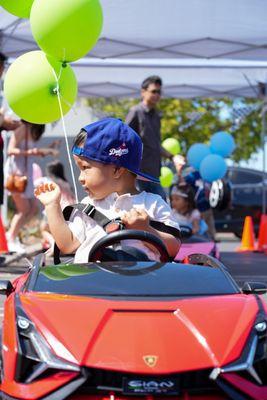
246,266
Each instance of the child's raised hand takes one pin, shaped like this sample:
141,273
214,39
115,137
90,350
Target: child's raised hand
136,219
48,193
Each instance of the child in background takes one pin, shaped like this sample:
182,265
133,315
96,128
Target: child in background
183,205
108,154
55,173
188,175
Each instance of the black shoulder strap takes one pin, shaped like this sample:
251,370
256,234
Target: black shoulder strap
102,220
90,211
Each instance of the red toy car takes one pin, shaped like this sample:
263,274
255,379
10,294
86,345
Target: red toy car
121,330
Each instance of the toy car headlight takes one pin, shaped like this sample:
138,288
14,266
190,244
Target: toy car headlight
35,357
253,361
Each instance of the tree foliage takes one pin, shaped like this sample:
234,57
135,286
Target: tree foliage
216,115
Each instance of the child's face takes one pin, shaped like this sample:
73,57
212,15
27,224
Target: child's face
179,203
96,178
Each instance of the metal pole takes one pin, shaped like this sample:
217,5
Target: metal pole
5,203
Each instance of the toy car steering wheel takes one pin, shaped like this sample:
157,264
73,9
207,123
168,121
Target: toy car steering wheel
96,253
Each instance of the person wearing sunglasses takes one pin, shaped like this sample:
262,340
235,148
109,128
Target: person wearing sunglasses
144,118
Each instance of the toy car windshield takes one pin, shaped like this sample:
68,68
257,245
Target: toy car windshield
133,279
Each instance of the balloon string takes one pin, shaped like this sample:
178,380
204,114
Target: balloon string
64,55
58,79
67,145
60,72
62,98
56,91
66,101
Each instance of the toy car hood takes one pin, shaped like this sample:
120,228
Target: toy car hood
143,336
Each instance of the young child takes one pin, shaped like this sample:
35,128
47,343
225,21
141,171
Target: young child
183,204
108,154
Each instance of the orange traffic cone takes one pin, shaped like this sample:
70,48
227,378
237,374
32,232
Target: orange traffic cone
248,239
3,241
262,241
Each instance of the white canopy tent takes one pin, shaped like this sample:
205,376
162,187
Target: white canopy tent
169,38
234,29
182,78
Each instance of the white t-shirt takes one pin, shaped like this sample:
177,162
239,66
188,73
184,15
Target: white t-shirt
187,218
88,232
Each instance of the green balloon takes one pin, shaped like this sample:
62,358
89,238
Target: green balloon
76,270
54,273
20,8
172,146
30,87
166,177
66,29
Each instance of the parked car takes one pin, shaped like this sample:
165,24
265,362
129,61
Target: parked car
238,195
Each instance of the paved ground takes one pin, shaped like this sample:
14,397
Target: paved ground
242,266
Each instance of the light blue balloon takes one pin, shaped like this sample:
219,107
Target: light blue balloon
196,153
222,143
213,167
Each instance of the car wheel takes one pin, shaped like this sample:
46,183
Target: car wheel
220,194
238,234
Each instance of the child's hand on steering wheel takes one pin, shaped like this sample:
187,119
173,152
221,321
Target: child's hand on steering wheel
48,193
136,219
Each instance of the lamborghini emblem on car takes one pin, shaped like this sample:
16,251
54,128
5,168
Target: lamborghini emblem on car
150,361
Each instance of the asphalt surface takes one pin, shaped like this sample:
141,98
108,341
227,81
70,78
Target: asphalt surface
250,266
242,266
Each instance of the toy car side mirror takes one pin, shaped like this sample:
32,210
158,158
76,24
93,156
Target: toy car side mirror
186,231
254,288
6,287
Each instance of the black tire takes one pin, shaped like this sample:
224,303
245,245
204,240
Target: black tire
220,194
238,234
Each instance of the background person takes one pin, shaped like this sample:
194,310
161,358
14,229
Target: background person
145,120
188,175
55,173
22,150
6,124
183,204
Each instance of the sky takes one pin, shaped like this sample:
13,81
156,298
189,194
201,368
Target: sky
256,161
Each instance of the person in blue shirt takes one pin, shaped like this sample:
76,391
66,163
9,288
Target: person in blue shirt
190,176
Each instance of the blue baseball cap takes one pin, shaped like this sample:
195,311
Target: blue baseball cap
110,141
